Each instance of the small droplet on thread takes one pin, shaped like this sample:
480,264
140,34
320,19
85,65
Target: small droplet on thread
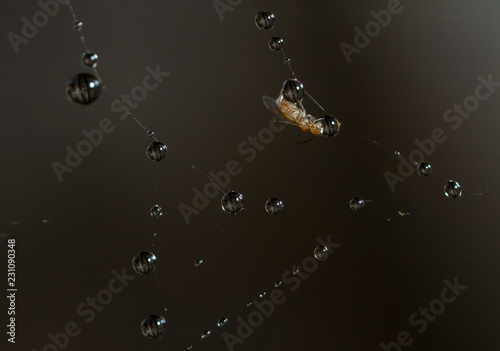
205,334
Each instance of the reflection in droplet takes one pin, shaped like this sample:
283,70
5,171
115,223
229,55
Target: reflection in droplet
90,59
144,262
83,88
156,151
274,206
424,169
330,126
156,211
293,90
264,20
356,204
452,189
321,253
153,327
232,202
276,43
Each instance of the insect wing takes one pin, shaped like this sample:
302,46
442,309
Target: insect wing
272,105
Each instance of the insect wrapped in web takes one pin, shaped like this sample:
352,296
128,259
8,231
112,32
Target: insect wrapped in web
288,106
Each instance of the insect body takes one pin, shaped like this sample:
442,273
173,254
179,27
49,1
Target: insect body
295,113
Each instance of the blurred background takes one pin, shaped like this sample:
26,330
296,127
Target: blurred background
71,234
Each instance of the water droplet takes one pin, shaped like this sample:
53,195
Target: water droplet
287,60
89,59
151,133
329,126
321,253
452,189
356,204
274,206
264,20
156,211
144,263
397,153
293,90
156,151
278,284
276,43
78,24
205,334
424,169
232,202
262,295
198,263
222,322
45,221
83,89
153,327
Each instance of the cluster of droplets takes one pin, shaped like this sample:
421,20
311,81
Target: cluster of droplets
84,88
452,188
293,90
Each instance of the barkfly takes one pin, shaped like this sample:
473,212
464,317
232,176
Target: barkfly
295,113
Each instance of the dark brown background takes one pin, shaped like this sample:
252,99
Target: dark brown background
396,90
